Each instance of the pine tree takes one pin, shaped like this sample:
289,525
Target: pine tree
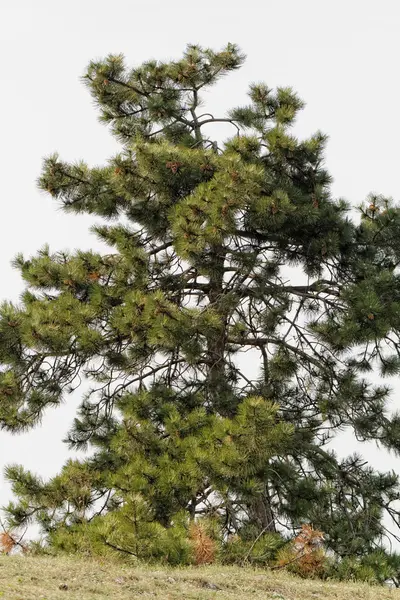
204,239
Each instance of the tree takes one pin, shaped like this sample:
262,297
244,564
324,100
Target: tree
203,239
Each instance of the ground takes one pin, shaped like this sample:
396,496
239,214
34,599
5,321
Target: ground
30,578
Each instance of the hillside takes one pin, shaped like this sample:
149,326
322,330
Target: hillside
73,579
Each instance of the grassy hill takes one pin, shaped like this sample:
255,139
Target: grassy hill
28,578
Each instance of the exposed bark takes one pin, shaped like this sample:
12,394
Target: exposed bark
217,342
262,514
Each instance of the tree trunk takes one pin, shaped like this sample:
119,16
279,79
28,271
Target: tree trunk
216,384
261,513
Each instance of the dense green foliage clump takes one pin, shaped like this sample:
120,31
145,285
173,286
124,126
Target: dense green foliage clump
199,284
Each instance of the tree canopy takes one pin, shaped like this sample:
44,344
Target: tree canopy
222,254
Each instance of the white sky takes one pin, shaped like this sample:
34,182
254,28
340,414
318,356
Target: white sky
342,57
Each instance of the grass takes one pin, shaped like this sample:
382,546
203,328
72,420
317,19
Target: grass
31,578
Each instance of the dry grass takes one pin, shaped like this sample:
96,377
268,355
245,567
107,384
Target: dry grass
28,578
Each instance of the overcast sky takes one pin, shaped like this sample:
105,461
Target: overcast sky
341,56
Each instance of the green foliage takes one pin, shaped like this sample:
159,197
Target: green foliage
202,235
131,532
378,567
169,470
262,551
